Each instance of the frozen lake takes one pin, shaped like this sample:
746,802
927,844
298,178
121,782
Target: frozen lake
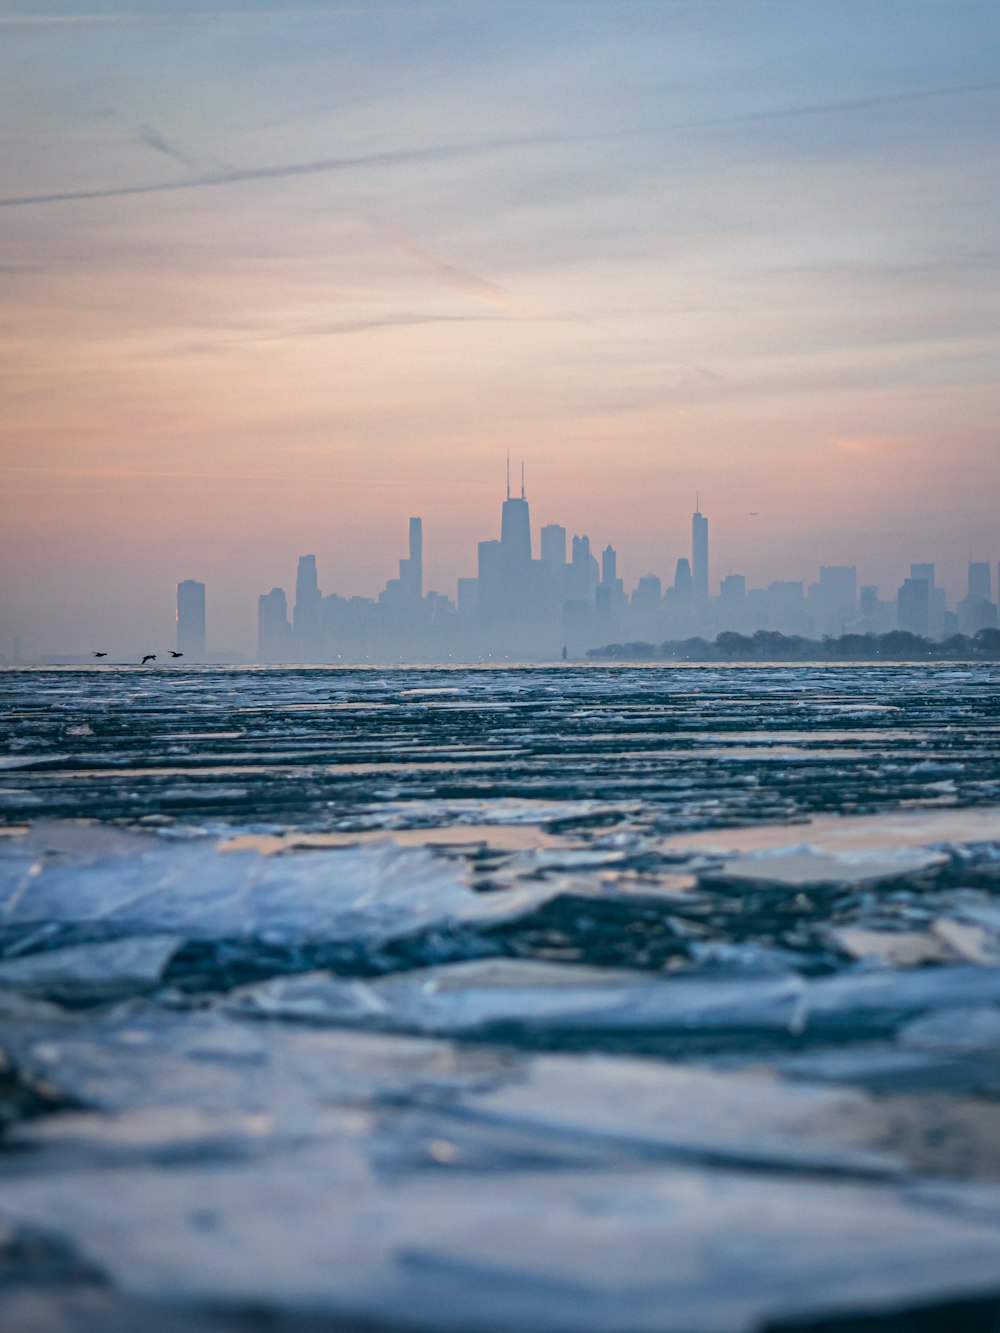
553,999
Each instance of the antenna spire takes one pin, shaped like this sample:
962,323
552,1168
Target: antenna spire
508,474
697,502
522,479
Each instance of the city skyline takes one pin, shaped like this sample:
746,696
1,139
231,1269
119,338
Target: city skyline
784,603
522,605
274,275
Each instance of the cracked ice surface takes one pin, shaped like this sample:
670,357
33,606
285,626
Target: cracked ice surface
537,999
358,1175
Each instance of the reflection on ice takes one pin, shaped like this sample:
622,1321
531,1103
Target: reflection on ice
852,834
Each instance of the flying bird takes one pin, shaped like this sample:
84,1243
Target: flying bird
99,654
173,654
150,657
753,513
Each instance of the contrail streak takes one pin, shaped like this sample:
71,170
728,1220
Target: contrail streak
395,157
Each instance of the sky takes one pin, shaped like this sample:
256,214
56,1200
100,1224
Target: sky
274,277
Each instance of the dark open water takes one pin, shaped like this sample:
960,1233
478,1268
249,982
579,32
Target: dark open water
548,999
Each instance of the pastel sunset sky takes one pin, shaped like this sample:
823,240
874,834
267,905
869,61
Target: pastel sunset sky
274,277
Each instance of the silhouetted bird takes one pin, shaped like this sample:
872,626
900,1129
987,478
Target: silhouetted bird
173,654
100,654
150,657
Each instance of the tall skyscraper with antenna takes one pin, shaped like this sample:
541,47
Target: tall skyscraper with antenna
515,527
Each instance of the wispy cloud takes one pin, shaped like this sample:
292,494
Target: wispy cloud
458,279
238,176
153,139
857,104
172,14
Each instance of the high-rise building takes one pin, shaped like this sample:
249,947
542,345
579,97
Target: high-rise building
699,554
505,567
191,619
554,545
583,572
976,610
648,595
273,630
609,565
609,595
979,580
307,617
733,601
913,606
411,570
683,578
937,598
786,607
833,601
515,529
401,597
976,613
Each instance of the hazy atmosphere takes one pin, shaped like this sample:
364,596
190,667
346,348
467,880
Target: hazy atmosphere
499,666
274,278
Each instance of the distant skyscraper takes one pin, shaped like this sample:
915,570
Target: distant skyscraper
273,630
733,588
923,571
937,598
506,580
976,610
584,572
980,580
699,554
833,601
913,606
554,544
191,619
609,565
786,607
683,579
307,618
732,601
411,570
648,596
515,526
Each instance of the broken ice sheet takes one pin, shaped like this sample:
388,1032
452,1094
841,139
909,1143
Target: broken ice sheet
947,941
473,998
660,1248
92,972
804,866
534,1000
344,1174
369,895
965,1029
899,948
176,1082
878,833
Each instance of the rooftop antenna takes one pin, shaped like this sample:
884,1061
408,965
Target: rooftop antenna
697,503
508,474
522,479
